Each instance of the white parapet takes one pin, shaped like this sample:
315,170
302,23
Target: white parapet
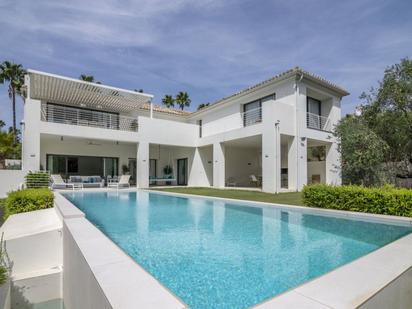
33,242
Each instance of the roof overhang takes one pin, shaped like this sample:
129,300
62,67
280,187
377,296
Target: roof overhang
296,73
60,89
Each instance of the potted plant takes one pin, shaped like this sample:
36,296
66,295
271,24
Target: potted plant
125,169
168,171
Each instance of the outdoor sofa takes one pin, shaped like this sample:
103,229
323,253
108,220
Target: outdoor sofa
88,181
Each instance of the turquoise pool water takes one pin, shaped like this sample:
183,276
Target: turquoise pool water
215,254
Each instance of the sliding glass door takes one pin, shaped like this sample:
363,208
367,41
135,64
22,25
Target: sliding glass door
82,165
182,172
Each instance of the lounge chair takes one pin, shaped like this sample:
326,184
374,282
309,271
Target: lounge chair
58,182
254,180
123,182
231,182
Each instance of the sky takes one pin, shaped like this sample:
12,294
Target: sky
208,48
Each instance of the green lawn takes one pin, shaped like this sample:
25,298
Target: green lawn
290,198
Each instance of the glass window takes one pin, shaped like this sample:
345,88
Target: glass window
72,165
313,106
269,97
252,113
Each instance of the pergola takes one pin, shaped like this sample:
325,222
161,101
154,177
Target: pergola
55,88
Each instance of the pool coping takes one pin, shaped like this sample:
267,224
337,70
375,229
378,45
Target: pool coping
348,286
110,263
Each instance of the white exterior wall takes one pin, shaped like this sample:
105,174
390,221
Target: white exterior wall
166,132
219,176
10,180
220,124
31,135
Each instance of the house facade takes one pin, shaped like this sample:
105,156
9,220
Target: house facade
275,135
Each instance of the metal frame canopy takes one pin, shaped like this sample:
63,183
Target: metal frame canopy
60,89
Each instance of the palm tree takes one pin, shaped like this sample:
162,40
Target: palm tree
168,101
14,74
87,78
202,105
182,99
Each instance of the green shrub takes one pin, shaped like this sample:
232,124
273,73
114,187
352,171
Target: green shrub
3,275
28,200
37,180
386,200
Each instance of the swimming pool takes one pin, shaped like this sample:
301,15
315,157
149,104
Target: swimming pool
217,254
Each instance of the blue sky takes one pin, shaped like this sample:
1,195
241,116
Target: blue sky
208,48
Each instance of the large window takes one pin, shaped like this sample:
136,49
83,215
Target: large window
313,118
252,112
82,165
81,116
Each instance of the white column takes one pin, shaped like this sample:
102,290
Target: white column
270,148
292,164
218,165
302,163
142,165
300,139
271,159
333,165
31,135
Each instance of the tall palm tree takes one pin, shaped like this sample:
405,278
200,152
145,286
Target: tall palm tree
168,101
87,78
202,105
14,74
182,99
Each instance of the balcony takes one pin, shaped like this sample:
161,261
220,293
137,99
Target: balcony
252,117
315,121
87,118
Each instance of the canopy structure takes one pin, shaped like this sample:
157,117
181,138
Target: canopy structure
55,88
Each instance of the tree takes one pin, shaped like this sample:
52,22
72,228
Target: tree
376,144
362,152
183,100
202,105
14,74
168,101
88,78
388,112
9,149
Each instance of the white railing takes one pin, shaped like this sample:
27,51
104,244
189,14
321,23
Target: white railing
318,122
87,118
251,117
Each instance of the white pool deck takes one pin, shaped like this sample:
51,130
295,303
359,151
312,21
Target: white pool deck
357,284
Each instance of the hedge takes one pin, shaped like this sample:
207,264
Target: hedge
37,179
386,200
28,200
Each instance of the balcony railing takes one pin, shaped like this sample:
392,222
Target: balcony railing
252,116
87,118
318,122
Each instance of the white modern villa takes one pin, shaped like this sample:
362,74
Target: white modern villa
137,248
263,136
